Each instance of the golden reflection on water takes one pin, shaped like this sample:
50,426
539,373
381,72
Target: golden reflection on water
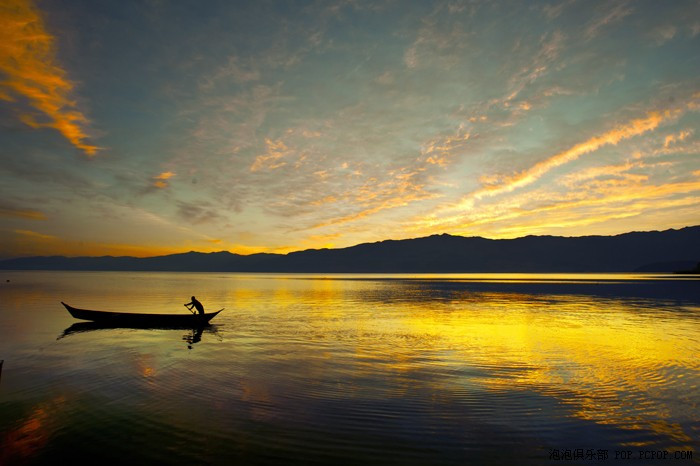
608,370
610,361
31,433
287,343
145,365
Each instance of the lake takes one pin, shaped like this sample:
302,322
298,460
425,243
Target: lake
353,369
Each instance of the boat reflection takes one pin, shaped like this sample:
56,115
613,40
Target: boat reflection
194,334
194,337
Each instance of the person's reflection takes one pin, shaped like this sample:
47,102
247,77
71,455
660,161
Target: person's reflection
195,336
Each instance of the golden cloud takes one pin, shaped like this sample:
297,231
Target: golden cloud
18,213
399,191
34,235
673,138
604,187
612,137
275,150
17,243
161,179
28,62
591,203
165,176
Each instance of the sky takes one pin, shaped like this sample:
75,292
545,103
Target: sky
156,127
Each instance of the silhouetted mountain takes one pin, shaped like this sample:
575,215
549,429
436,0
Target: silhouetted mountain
655,251
693,270
672,266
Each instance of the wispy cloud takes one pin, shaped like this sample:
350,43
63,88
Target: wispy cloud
28,61
552,11
35,235
614,13
11,212
441,150
401,189
234,70
551,46
662,34
347,122
586,202
440,38
272,158
466,212
632,128
198,213
676,137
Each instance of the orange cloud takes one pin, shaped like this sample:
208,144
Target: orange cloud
165,176
161,179
28,61
397,192
500,184
24,243
325,200
593,203
612,137
271,159
34,235
30,214
439,151
672,138
613,191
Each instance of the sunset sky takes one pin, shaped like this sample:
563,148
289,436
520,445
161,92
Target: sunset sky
154,127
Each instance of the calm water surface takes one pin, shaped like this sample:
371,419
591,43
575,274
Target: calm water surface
350,369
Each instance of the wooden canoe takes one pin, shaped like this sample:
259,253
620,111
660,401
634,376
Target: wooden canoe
141,320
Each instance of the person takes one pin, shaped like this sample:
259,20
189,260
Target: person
196,304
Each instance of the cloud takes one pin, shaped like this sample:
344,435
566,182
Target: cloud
614,14
161,180
401,188
23,243
275,151
590,199
673,138
694,29
11,212
607,171
466,212
554,10
551,46
410,56
387,78
612,137
440,151
233,71
663,34
225,124
35,235
197,213
28,61
440,40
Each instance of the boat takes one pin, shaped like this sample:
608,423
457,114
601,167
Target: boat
142,320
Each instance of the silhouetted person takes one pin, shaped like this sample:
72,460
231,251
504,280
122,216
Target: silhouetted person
196,304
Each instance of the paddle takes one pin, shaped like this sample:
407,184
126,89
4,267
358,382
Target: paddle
188,308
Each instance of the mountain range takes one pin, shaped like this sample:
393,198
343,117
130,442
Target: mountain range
652,251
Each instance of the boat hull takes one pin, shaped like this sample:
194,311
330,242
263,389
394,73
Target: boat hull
141,320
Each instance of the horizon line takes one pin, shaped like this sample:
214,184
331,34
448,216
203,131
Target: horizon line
348,247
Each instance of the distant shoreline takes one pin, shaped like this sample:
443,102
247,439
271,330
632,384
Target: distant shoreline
666,251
